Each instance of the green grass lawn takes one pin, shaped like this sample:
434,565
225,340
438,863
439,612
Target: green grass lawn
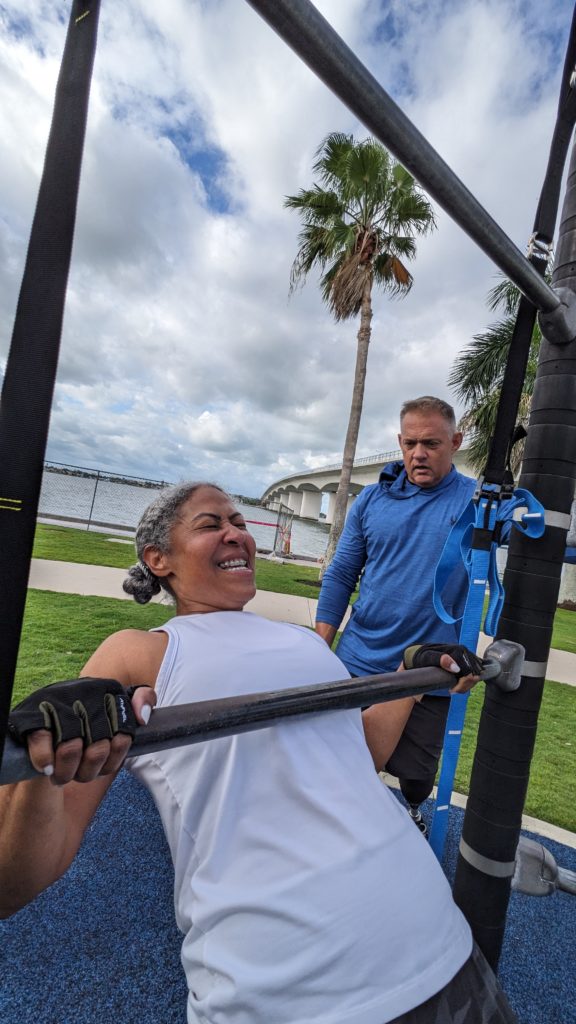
564,633
552,787
63,544
70,545
61,631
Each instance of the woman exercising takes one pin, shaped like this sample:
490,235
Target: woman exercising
303,891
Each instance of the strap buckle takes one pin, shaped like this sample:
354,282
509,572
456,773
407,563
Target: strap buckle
538,248
493,491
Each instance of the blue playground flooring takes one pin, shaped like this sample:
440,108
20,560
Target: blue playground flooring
101,946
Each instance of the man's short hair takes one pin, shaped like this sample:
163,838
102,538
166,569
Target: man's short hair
428,403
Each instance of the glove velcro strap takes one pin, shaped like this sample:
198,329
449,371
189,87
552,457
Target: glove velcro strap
409,655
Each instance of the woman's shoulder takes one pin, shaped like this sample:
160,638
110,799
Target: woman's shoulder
132,656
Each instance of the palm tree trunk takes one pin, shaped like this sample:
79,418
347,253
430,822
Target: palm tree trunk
363,341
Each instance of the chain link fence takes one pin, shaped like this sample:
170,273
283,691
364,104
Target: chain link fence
103,500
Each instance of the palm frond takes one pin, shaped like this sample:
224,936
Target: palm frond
402,246
504,296
480,367
316,205
390,272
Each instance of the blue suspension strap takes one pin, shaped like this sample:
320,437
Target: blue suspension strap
474,540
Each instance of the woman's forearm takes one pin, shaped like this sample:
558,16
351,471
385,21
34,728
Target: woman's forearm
33,838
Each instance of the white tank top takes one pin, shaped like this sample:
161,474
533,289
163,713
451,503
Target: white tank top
304,892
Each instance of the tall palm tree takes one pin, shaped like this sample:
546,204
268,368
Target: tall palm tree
477,374
359,221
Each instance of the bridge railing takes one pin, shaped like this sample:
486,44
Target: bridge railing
368,460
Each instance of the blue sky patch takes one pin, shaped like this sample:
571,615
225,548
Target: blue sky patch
208,162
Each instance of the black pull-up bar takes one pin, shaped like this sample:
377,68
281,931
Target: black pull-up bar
314,40
184,724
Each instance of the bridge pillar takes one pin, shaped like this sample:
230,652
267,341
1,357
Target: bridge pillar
330,510
311,505
332,503
294,501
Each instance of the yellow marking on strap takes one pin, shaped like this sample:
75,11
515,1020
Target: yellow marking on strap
11,504
85,15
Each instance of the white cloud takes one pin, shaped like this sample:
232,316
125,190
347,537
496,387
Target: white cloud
181,354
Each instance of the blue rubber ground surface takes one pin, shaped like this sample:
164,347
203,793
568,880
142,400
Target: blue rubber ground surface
101,946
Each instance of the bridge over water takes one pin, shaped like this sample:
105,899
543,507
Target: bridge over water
303,492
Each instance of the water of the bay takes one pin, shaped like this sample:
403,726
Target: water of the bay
121,503
101,500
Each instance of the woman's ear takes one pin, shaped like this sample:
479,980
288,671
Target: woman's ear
156,561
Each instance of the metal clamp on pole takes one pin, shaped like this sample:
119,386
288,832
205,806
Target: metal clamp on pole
559,325
536,872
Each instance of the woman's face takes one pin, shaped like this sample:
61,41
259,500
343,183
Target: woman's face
210,565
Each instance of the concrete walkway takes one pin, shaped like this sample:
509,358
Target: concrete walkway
101,581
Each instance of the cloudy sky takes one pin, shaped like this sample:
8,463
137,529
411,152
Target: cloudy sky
182,355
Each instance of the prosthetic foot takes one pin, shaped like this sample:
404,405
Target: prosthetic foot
414,812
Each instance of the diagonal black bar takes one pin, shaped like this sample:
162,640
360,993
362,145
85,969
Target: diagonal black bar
321,48
209,719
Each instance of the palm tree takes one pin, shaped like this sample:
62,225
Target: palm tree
477,374
359,220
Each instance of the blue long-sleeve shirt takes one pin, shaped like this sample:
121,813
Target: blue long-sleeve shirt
394,535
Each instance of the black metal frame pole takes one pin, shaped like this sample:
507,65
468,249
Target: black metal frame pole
225,716
508,722
33,358
304,29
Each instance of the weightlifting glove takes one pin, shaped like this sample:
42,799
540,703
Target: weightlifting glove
428,655
92,709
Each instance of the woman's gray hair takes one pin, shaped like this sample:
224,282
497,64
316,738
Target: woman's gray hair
154,530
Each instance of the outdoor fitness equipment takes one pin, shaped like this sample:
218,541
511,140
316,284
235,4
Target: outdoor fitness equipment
508,723
536,872
493,817
194,723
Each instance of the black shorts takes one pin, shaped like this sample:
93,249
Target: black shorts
419,748
474,996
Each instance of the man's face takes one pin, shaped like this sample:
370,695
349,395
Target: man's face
427,444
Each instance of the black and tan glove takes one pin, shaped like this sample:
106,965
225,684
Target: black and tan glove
429,655
90,708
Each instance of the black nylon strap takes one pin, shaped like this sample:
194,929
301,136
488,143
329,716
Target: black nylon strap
32,361
544,225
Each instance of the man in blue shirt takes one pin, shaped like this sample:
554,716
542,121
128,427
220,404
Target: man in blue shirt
392,541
